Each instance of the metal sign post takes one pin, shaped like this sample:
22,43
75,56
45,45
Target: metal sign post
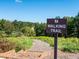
56,26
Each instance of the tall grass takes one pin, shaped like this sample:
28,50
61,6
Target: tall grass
69,44
17,43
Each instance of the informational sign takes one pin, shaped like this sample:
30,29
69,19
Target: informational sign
56,25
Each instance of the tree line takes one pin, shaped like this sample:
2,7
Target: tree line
20,28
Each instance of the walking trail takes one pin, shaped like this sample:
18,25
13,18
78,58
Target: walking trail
39,50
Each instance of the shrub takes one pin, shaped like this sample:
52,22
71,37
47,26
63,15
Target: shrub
6,45
19,43
3,34
70,45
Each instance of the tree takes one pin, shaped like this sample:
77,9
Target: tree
70,26
77,24
40,29
28,31
57,17
8,27
2,21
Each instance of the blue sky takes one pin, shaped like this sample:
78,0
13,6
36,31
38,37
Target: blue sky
37,10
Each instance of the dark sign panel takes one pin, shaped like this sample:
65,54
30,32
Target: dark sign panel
56,25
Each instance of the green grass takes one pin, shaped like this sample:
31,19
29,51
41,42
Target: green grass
64,44
17,43
69,44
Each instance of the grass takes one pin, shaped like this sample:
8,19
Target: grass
69,44
16,43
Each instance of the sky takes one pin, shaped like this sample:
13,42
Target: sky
37,10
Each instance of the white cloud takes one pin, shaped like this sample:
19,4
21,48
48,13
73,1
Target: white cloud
18,1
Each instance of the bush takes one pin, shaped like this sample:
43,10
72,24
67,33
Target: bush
28,31
15,43
70,45
3,34
16,34
70,48
6,45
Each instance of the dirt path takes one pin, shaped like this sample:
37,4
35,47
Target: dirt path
40,46
39,50
43,46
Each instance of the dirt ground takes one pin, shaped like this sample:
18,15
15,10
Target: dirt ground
39,50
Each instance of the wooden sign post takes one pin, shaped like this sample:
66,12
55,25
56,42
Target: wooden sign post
56,26
55,45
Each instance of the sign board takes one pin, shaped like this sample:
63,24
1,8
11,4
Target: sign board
56,25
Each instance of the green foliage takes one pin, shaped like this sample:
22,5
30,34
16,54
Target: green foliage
22,43
6,26
69,44
27,31
3,34
40,29
16,28
16,34
20,28
18,43
77,25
